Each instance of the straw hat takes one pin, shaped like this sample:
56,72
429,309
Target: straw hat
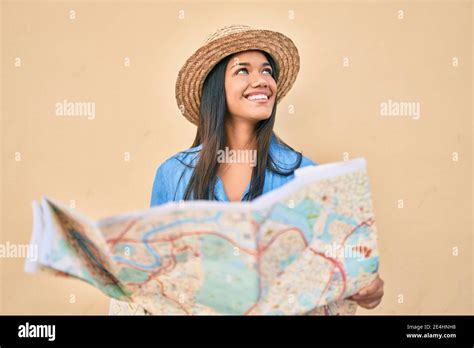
228,40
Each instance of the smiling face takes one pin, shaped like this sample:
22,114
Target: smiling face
249,86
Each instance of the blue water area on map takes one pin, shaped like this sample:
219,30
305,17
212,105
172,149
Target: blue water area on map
131,275
302,216
306,301
229,285
353,265
286,262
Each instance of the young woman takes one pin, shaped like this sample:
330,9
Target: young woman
230,89
237,112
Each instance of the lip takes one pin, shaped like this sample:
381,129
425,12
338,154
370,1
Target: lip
259,101
259,91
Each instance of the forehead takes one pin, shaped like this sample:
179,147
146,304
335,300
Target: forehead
253,56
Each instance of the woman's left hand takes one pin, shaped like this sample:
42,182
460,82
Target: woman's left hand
370,296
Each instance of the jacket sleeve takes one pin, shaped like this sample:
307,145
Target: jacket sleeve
160,192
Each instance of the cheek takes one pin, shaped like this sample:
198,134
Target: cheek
273,85
234,94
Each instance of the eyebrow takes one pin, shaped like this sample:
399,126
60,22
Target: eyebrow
247,64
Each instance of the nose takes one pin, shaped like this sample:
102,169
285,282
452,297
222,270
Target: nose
259,81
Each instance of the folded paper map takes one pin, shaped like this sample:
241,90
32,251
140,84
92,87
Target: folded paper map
295,250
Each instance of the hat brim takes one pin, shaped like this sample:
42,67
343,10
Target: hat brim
193,73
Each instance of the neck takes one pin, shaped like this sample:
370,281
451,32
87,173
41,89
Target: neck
240,134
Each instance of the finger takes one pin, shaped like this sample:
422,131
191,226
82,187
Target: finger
355,297
369,304
372,288
373,304
364,294
377,295
367,291
361,296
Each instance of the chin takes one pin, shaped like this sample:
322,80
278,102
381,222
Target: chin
260,116
254,115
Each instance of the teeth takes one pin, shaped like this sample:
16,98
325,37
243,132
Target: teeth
257,97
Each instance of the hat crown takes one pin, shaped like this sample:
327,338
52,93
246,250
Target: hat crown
227,30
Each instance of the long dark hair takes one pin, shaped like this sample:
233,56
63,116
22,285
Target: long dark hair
211,134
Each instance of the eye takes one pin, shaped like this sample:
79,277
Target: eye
267,70
241,69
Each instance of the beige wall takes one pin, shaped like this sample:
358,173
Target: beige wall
336,111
